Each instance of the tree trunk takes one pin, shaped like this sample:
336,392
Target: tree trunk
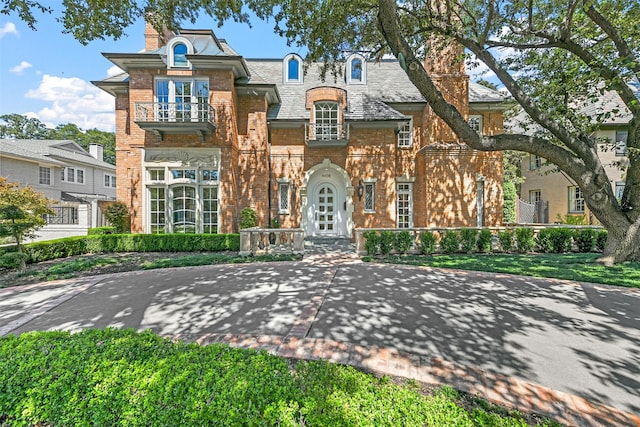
623,244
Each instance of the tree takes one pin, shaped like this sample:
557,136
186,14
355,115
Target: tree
562,55
22,212
21,127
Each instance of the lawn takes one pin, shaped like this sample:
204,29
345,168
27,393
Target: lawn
580,267
123,377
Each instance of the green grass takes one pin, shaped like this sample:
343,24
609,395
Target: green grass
579,266
123,377
209,259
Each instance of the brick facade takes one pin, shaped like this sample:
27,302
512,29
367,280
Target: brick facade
258,150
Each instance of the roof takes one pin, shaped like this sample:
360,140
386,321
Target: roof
55,152
386,84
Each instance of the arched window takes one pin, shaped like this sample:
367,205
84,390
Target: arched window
177,51
292,69
180,55
356,69
327,121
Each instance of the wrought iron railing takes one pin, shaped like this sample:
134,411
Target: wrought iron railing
180,112
326,131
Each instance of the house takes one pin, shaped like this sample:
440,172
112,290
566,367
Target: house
551,196
202,132
80,182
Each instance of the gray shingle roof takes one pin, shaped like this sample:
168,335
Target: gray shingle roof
386,83
52,151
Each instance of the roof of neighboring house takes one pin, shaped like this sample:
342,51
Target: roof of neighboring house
55,152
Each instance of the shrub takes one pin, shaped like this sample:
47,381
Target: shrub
556,240
12,260
402,242
54,249
450,242
601,240
371,242
101,230
485,240
428,242
117,215
585,239
468,239
510,200
387,239
524,239
249,218
505,238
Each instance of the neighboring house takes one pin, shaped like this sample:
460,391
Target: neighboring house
202,132
552,195
79,182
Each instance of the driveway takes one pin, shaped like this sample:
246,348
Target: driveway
577,342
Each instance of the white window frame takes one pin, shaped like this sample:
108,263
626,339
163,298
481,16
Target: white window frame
619,189
576,200
284,189
109,180
535,196
622,137
154,215
170,54
402,192
72,178
363,70
475,122
45,172
535,162
285,69
405,134
370,187
326,126
168,103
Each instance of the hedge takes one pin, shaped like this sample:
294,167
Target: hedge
106,243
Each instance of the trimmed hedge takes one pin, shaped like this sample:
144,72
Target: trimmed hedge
107,243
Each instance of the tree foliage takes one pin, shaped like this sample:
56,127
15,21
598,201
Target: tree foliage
16,126
21,211
554,57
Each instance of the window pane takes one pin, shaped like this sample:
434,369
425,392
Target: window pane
71,174
284,197
210,210
45,176
621,142
369,196
107,180
356,70
180,55
293,70
405,135
80,176
157,210
184,209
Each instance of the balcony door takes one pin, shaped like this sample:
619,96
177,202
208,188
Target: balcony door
182,100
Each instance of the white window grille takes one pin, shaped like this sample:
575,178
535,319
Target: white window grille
404,205
475,122
621,142
44,176
576,200
405,135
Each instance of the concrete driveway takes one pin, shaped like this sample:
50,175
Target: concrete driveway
557,346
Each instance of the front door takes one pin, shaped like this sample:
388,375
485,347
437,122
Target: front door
326,209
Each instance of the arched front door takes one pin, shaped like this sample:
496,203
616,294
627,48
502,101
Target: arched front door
326,209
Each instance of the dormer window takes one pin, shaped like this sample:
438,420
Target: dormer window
356,69
177,52
292,69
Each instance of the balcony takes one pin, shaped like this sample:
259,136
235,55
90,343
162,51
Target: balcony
326,134
176,118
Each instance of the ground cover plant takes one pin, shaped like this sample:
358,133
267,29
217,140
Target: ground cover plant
123,377
580,267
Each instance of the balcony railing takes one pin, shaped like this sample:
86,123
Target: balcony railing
63,215
175,117
327,134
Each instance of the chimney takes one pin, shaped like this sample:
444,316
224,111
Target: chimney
96,151
152,39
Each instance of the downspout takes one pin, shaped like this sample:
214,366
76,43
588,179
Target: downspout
268,175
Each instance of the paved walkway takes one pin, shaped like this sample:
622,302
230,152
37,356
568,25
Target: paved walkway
560,348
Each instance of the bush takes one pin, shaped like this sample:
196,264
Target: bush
428,242
468,239
54,249
117,215
505,238
485,241
524,239
12,260
555,240
387,240
510,201
98,231
585,239
371,242
402,242
601,240
249,218
450,242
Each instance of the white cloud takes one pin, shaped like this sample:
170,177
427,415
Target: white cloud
19,69
8,28
74,100
114,71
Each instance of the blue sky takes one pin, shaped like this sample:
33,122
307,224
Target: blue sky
47,74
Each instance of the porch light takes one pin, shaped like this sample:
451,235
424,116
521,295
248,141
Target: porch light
360,190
